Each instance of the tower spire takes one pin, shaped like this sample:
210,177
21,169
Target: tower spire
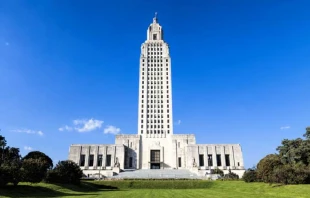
155,18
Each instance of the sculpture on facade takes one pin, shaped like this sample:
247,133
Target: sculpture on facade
194,162
116,164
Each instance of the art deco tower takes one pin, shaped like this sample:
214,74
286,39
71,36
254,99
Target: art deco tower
155,91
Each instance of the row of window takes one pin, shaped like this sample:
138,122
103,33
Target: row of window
154,49
154,53
154,121
151,87
210,160
155,69
154,116
155,126
155,91
158,106
158,111
154,44
151,101
155,131
151,58
91,160
154,65
154,73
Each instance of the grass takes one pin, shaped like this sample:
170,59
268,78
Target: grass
226,189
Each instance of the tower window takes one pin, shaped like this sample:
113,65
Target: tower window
154,36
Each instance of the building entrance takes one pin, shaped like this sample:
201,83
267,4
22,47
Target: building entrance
155,159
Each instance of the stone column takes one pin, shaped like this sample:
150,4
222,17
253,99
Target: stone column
206,157
96,157
232,156
87,156
223,155
162,157
104,157
214,156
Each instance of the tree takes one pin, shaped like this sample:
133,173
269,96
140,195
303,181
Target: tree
10,164
34,170
40,156
2,146
250,175
65,172
266,166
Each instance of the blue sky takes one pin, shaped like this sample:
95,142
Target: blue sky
240,71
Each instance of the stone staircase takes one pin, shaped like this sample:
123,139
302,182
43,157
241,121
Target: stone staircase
156,174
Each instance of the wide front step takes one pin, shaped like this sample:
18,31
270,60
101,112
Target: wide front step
161,173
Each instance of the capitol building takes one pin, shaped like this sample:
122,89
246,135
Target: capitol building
155,146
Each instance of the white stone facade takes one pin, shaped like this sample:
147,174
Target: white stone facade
155,146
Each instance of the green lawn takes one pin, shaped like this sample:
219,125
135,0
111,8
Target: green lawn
226,189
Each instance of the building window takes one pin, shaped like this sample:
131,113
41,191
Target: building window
218,160
91,160
108,161
154,36
155,156
82,160
130,144
178,144
210,160
180,162
201,160
141,131
99,160
130,162
227,161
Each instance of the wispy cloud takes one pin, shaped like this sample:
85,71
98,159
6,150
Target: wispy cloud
65,128
87,125
28,148
111,130
285,127
178,122
28,131
83,125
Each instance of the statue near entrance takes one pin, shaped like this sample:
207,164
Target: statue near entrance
194,162
116,164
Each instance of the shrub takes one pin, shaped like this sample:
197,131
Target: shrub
217,171
250,175
33,170
231,176
65,172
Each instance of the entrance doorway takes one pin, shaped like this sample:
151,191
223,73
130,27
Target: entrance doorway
155,159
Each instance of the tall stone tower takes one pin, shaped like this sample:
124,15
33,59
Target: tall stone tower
155,89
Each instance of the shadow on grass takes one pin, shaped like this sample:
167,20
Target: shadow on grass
87,187
35,191
28,190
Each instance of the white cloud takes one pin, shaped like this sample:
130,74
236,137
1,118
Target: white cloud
65,128
112,130
28,148
285,127
87,125
178,122
83,125
28,131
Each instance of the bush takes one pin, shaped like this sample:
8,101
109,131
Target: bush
65,172
250,175
217,171
231,176
33,170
